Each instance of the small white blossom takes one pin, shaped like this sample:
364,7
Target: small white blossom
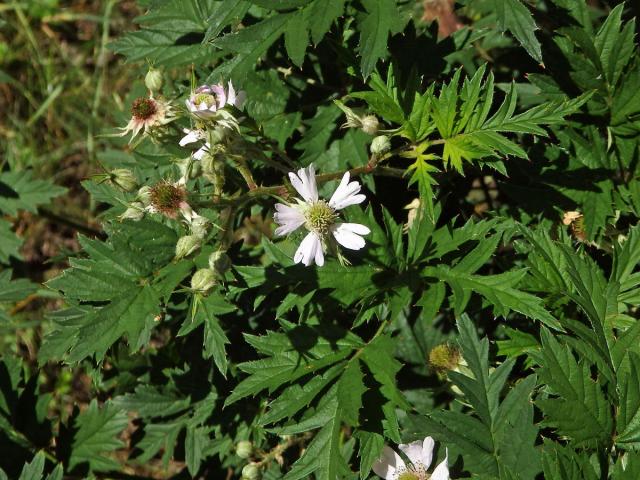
192,136
147,114
206,100
320,217
391,466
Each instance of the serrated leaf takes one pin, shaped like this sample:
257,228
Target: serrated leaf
350,390
20,191
14,290
149,401
515,17
381,19
9,242
97,435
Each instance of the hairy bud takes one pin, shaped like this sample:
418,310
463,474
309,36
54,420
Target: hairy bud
370,124
244,449
187,245
444,358
380,145
153,80
200,226
125,179
135,212
144,195
203,280
219,262
251,471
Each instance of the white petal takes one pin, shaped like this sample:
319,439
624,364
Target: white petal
442,470
231,96
346,194
190,137
427,451
415,452
201,152
307,251
387,464
288,218
305,183
241,97
348,235
319,256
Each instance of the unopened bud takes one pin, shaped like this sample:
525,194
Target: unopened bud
380,144
370,124
135,212
244,449
144,195
251,472
203,280
153,80
187,245
199,225
124,178
219,262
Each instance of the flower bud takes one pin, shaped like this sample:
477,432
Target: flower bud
124,178
144,195
244,449
187,245
199,226
153,80
251,471
135,212
219,262
380,145
203,280
370,124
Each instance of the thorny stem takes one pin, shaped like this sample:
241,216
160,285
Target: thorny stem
279,449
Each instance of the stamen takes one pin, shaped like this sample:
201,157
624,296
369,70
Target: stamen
319,217
143,108
207,98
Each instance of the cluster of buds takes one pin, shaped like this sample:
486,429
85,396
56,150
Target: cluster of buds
205,279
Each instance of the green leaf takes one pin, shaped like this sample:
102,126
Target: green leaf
20,191
35,469
14,290
579,408
350,390
515,17
206,311
10,243
296,37
381,19
629,414
96,435
194,446
149,402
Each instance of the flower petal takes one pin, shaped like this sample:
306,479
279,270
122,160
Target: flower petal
304,181
190,137
442,470
201,152
231,95
414,452
427,451
221,96
387,464
288,218
346,193
348,235
307,251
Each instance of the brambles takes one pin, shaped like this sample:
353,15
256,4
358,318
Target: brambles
329,231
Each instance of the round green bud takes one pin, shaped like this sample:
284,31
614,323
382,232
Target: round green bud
370,124
153,80
203,280
200,226
251,471
144,195
135,212
124,178
219,262
244,449
187,245
380,145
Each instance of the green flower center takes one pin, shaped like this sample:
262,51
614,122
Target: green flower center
408,476
319,217
143,108
207,98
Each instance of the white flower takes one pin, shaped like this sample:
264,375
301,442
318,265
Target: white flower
319,217
390,465
206,100
192,136
147,114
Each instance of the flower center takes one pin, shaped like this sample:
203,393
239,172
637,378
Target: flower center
207,98
408,476
167,198
319,217
143,108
